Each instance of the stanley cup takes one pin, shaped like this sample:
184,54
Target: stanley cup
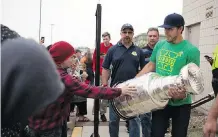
152,91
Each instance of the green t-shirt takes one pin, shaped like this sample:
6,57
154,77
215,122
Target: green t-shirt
170,58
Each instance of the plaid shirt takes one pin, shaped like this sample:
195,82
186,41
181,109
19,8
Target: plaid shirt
56,113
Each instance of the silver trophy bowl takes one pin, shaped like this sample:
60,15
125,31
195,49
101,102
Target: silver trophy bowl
152,91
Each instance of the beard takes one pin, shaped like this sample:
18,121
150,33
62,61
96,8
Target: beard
127,40
171,39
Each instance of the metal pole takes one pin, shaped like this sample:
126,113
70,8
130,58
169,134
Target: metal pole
40,20
52,32
97,74
203,100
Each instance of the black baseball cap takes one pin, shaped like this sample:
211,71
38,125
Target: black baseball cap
127,26
173,20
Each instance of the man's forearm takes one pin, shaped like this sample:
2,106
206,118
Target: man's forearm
213,113
105,76
147,68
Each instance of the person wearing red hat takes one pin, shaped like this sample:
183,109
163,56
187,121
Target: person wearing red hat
50,121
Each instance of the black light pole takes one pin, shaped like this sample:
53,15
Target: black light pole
40,19
52,33
97,70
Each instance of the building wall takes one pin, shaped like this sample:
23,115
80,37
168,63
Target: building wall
202,13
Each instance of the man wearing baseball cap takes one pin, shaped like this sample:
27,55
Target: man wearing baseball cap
168,57
125,58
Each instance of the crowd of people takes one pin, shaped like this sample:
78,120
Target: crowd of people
40,88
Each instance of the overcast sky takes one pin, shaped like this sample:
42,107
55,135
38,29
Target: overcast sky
74,20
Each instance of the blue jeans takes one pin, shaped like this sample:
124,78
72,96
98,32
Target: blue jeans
134,125
146,124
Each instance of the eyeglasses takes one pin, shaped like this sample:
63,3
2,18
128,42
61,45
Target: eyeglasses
125,32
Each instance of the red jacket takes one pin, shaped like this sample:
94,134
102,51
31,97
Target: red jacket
103,52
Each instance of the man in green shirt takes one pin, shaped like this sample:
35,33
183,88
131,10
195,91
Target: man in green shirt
167,59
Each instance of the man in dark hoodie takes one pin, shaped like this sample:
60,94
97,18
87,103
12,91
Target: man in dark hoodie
29,81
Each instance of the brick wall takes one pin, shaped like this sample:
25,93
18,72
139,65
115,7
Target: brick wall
206,13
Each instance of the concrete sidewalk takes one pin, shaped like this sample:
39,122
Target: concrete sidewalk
86,129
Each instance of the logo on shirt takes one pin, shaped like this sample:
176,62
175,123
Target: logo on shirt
180,53
167,59
134,53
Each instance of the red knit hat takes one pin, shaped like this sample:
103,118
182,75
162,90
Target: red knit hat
61,51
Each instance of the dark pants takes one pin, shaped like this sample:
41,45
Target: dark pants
180,120
146,124
215,80
215,85
82,107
